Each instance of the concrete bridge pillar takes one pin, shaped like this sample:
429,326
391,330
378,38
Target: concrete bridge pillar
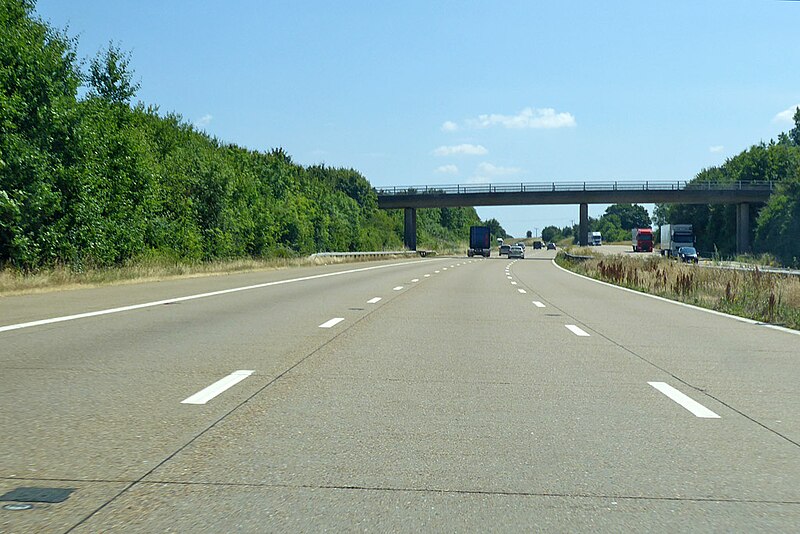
743,228
583,225
410,229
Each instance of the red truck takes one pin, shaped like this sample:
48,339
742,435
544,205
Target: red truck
642,239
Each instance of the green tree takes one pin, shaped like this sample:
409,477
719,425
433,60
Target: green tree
794,133
110,77
550,233
611,228
495,230
38,84
630,215
778,223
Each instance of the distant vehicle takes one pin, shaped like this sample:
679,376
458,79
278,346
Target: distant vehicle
522,244
551,246
516,251
642,239
537,245
675,236
687,254
479,242
504,249
594,239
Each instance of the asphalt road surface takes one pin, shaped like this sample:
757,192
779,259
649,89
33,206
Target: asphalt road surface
444,394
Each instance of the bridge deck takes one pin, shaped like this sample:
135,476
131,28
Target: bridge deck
679,192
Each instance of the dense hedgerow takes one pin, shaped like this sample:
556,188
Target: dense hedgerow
96,181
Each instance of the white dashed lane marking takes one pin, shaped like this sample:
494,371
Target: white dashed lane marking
576,330
332,322
373,300
684,400
205,395
398,288
521,290
538,304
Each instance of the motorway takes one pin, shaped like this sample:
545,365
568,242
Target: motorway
442,394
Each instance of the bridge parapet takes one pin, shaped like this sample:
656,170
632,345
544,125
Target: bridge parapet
545,187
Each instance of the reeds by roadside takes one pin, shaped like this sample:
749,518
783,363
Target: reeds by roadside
762,296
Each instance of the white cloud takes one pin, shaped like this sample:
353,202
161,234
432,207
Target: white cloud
447,169
203,121
527,118
787,115
716,148
465,149
487,169
449,126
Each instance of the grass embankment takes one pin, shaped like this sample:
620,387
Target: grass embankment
15,282
767,297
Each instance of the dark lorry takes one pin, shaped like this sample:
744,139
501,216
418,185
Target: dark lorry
479,241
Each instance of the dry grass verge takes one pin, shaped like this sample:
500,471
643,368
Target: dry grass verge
766,297
13,282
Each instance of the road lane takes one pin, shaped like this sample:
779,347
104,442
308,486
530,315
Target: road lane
111,386
457,394
494,401
750,367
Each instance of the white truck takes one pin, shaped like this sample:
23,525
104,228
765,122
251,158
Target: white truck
675,236
594,239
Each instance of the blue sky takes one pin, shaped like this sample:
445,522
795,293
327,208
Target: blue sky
424,92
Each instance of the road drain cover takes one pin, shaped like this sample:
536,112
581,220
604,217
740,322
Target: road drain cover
553,314
37,495
17,507
357,309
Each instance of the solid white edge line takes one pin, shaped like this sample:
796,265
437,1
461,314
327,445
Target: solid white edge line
684,400
373,300
578,331
331,322
538,304
685,305
42,322
208,393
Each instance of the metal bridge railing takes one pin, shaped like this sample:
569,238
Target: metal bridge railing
546,187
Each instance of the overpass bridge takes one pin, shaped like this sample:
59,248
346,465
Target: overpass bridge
740,193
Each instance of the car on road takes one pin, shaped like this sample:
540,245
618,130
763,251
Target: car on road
687,254
537,245
516,251
504,249
551,246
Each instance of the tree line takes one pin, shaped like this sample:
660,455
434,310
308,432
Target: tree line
777,224
97,181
